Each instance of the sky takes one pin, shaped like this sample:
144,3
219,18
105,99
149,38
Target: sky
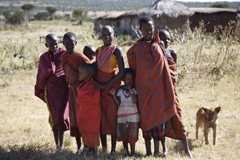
209,0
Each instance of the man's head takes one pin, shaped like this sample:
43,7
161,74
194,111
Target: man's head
165,37
107,35
69,41
146,27
51,42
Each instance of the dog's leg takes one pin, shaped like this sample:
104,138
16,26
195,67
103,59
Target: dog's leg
214,134
197,127
206,130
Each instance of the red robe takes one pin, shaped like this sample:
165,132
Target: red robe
70,64
88,113
175,126
156,98
85,101
106,64
51,87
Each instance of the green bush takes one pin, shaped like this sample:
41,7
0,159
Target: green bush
41,16
14,18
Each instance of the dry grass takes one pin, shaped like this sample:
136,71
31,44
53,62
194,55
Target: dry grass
24,130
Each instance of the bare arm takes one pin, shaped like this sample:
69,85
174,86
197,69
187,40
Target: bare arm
115,97
120,63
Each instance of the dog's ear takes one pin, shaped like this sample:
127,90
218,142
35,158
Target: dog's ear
205,109
217,109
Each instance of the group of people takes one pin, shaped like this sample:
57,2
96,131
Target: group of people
93,95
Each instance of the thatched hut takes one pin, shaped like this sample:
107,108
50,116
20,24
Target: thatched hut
165,13
213,17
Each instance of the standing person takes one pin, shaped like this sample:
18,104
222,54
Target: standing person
156,97
51,87
71,61
88,109
85,108
128,116
109,60
174,125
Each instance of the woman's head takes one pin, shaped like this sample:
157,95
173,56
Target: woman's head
107,35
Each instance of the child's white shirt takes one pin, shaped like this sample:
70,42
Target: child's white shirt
127,110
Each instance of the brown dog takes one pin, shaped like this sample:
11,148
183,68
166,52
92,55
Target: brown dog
207,119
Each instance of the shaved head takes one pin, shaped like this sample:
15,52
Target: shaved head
70,35
108,28
51,42
107,35
51,37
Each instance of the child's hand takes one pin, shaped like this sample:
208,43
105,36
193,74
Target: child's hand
112,92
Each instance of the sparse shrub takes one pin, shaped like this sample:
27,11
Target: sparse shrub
208,55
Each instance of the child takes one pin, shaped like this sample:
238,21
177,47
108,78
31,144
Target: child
127,115
86,98
51,87
88,109
89,52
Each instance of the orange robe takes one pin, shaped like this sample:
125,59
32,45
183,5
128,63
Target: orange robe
106,64
70,64
156,98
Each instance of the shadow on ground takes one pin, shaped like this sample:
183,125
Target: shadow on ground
35,152
193,143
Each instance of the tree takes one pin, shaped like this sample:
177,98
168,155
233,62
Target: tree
51,11
80,15
27,8
220,5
